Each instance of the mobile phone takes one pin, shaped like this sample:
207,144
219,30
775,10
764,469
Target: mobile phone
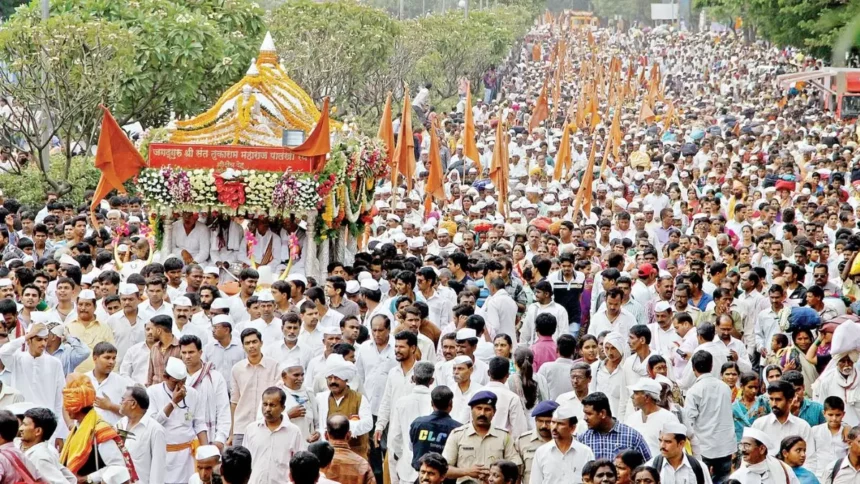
681,353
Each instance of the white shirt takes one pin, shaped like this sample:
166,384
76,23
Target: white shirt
397,385
651,426
847,473
664,343
500,313
126,334
406,410
708,414
279,352
145,311
550,466
113,387
312,340
792,426
441,310
148,449
718,352
460,410
557,374
510,414
528,333
224,358
359,427
745,476
373,366
622,323
611,384
215,401
683,474
135,365
271,331
41,380
46,460
196,242
828,448
271,451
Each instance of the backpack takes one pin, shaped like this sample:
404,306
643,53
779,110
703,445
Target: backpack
694,464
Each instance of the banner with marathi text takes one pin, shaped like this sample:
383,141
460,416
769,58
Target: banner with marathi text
237,157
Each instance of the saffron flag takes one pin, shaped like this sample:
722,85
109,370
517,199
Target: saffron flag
470,146
116,158
386,131
499,167
583,195
434,188
670,115
646,114
404,153
541,110
563,159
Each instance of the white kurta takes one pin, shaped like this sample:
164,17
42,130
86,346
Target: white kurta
196,242
135,365
113,387
148,449
406,410
271,331
215,402
40,380
126,334
263,243
180,427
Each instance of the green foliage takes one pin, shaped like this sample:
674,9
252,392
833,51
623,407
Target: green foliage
30,186
186,52
67,63
333,48
7,7
453,46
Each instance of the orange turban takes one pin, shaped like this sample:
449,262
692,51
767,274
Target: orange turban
79,393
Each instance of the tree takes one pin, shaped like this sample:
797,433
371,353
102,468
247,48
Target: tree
58,71
334,48
187,53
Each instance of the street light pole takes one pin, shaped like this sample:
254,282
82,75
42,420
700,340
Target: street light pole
45,155
466,10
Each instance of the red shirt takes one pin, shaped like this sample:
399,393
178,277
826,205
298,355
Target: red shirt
544,351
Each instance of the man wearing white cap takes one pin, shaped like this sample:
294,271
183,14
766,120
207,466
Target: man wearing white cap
212,387
182,309
758,467
339,399
673,463
127,325
147,449
301,406
316,366
38,376
649,418
208,459
87,328
267,324
178,409
372,296
562,459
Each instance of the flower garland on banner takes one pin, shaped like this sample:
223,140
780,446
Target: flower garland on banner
341,193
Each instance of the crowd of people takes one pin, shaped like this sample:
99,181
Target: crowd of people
535,336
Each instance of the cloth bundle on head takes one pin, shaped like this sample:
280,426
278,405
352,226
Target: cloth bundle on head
615,339
336,366
79,393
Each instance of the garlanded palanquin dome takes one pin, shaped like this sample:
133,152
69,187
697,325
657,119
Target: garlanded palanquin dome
254,111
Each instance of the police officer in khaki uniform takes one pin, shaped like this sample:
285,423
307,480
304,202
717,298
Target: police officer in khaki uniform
528,442
472,448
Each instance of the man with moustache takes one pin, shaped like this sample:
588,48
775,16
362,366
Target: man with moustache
844,384
758,467
478,438
433,469
530,441
208,461
562,459
340,399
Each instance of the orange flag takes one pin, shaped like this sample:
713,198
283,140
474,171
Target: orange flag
470,146
541,109
536,53
318,143
116,158
386,131
670,116
404,153
556,93
591,41
433,188
563,159
583,195
646,115
499,167
782,102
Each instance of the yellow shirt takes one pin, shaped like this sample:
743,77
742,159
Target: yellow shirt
90,334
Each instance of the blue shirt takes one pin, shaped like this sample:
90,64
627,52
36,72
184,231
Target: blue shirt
812,412
483,294
703,303
612,443
71,354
